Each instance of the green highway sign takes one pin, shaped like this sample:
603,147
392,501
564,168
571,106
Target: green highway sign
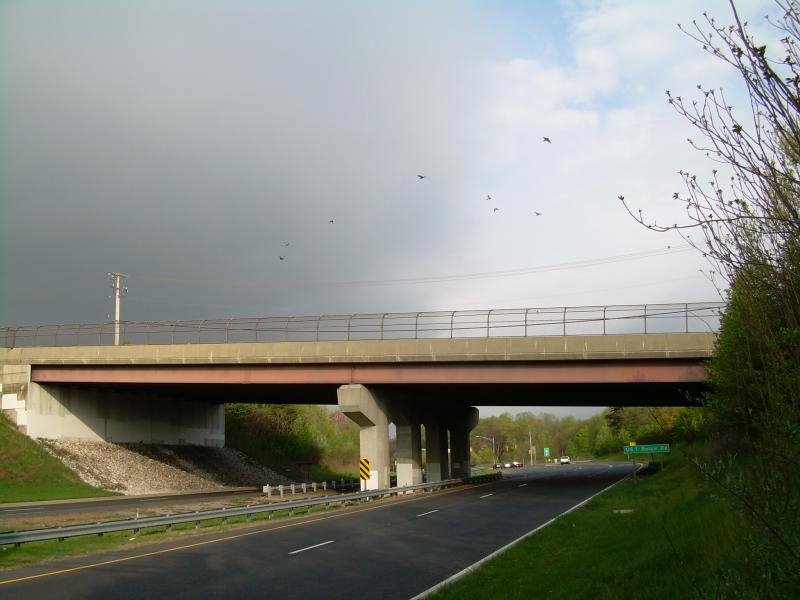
646,449
546,452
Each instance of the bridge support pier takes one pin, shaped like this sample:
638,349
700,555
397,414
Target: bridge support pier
370,413
409,451
436,459
461,422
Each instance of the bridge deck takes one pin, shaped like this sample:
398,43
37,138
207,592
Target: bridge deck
546,348
664,368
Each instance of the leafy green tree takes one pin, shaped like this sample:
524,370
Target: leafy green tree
748,226
284,436
483,456
581,443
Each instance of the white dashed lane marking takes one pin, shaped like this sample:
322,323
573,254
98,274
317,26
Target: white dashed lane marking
312,547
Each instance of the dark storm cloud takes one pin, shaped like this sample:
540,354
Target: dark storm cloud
181,142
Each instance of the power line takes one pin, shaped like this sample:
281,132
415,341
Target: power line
562,293
580,264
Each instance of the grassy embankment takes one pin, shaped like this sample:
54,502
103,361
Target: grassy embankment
670,535
29,473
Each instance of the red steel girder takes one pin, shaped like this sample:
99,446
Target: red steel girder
534,372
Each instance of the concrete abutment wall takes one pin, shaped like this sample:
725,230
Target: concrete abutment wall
14,383
106,414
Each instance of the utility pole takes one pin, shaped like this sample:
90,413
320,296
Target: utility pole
118,285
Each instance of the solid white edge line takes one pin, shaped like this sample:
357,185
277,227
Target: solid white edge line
430,512
522,485
312,547
486,496
474,566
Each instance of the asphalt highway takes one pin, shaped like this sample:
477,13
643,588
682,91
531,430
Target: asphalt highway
119,503
383,550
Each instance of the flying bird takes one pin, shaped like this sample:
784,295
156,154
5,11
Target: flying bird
488,197
286,244
621,197
538,214
546,139
282,258
495,209
331,221
422,176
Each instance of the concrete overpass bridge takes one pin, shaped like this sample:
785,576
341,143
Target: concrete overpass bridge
168,382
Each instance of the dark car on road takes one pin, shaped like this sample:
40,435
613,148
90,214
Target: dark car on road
507,465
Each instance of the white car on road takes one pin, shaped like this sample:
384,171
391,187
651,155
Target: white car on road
564,460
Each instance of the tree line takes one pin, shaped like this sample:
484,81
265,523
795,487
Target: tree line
524,436
744,217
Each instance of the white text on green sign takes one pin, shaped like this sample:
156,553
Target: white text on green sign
646,449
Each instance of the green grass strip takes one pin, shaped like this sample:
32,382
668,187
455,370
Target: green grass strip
667,536
28,473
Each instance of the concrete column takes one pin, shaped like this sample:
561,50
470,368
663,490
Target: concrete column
409,453
461,422
369,412
436,463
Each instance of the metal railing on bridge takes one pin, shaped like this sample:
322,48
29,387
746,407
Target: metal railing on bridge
520,322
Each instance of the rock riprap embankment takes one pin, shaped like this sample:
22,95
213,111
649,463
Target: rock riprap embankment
158,469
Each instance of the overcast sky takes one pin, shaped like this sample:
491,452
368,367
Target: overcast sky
186,142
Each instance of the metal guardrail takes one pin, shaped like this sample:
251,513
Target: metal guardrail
60,533
519,322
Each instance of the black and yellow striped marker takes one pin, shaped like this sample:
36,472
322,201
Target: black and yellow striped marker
363,469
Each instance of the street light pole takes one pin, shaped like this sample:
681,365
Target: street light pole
491,439
530,446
